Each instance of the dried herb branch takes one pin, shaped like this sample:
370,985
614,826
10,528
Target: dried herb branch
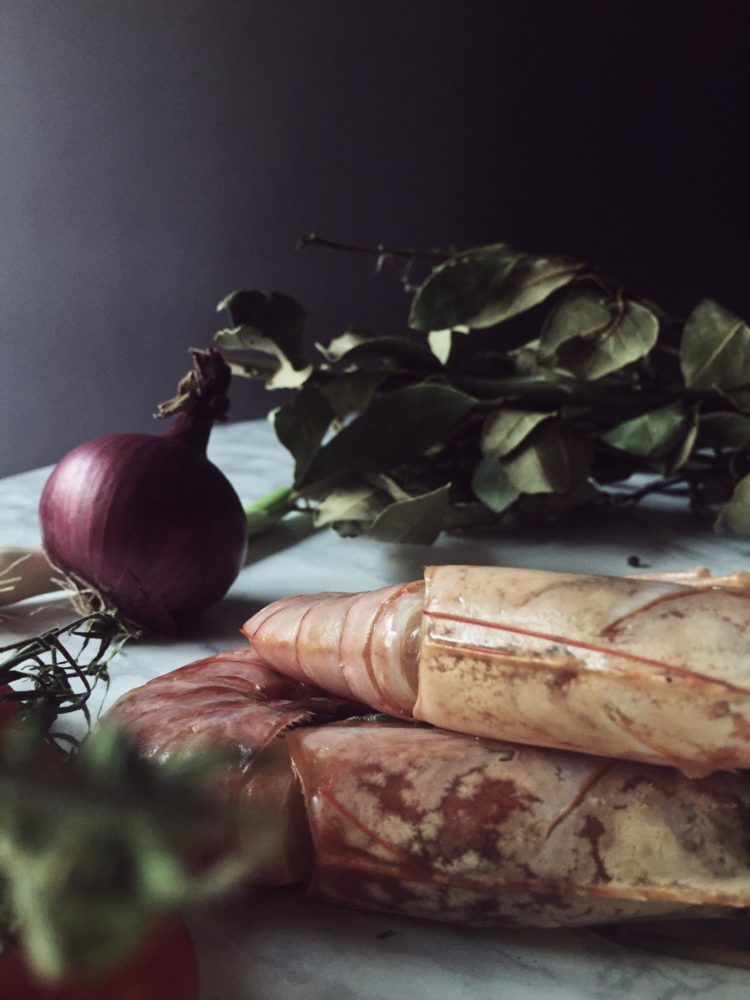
529,385
97,843
380,250
97,846
55,672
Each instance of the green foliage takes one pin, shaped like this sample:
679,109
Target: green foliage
96,842
97,846
530,383
54,673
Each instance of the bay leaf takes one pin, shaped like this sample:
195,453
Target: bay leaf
554,459
491,484
590,336
715,348
287,373
360,502
347,340
348,392
301,425
684,450
485,286
735,514
505,429
276,316
390,353
652,434
417,520
441,343
396,427
361,348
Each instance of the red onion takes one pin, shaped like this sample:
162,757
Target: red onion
148,524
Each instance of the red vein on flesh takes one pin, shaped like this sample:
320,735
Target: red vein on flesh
256,634
580,795
351,818
658,752
577,644
612,627
349,659
367,657
298,629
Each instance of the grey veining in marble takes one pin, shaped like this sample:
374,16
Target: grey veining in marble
282,946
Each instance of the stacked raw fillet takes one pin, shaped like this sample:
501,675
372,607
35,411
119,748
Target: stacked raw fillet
606,686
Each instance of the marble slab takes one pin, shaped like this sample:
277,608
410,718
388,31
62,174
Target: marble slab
282,946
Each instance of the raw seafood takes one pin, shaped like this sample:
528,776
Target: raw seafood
640,668
412,819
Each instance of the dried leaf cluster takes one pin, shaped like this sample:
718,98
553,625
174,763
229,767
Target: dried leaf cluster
532,384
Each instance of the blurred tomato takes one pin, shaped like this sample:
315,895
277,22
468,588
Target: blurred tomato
164,968
7,708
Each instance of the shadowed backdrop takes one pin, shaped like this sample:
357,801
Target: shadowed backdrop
157,154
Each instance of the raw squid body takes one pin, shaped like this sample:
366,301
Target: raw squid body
406,818
645,669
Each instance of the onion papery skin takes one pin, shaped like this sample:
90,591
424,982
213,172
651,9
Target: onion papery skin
148,522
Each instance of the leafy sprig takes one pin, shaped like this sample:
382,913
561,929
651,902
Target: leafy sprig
96,842
55,672
529,384
96,847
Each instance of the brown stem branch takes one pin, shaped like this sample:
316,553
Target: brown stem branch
312,239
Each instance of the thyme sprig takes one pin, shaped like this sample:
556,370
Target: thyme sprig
55,672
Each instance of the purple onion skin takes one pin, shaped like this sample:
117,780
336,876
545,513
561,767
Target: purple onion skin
150,522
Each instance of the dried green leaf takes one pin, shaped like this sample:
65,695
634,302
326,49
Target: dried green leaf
652,434
735,514
288,372
417,520
441,343
554,459
348,392
301,425
358,349
505,429
684,450
276,317
345,342
485,286
396,427
591,336
491,485
360,503
715,348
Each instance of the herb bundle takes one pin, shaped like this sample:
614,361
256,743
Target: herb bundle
529,385
54,673
97,843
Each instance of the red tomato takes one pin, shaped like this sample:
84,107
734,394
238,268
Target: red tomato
164,968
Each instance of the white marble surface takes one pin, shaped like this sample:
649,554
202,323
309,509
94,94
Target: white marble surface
280,945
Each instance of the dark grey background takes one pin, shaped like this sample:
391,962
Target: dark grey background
157,154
